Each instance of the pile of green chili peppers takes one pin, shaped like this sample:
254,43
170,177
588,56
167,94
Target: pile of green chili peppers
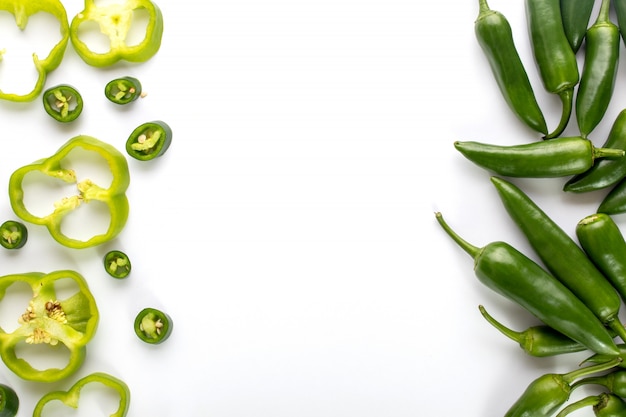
577,285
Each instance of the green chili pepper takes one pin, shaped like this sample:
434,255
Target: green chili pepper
115,21
615,201
546,394
149,140
606,171
553,54
48,321
9,401
63,103
552,158
614,381
513,275
123,90
71,397
13,235
620,12
562,256
576,15
113,197
539,341
153,326
604,405
597,82
23,10
495,37
117,264
604,244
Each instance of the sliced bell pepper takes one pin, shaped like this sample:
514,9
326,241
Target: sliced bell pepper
115,21
149,140
47,320
9,401
114,197
63,103
153,326
72,396
123,90
22,10
13,235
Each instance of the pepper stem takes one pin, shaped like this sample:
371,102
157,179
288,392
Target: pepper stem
618,327
472,250
607,153
582,372
603,14
483,7
567,98
585,402
510,333
592,380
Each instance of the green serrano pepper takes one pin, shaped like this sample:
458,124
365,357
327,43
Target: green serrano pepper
513,275
562,256
620,12
599,72
607,171
615,200
495,37
575,15
551,158
553,54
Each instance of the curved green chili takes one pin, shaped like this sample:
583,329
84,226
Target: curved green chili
553,54
495,37
597,82
615,201
9,401
562,256
513,275
13,234
576,15
552,158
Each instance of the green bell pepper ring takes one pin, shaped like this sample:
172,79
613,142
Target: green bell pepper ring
150,140
117,264
114,197
63,103
123,90
153,326
9,401
115,21
71,322
22,10
72,396
13,234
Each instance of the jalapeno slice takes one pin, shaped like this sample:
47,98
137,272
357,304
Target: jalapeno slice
117,264
63,103
13,235
153,326
9,401
123,90
149,140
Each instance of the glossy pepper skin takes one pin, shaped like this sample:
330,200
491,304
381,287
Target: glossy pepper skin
539,341
495,37
553,54
604,244
562,256
71,397
546,394
597,82
620,12
113,197
576,15
614,381
13,234
513,275
604,405
9,401
47,320
558,157
615,201
606,171
115,21
22,10
63,103
149,140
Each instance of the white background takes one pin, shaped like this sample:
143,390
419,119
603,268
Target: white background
289,230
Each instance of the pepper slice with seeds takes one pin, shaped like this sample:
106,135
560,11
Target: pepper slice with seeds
153,326
13,235
63,103
149,140
117,264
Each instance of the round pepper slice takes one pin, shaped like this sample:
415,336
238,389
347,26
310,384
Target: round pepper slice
13,235
9,401
63,103
153,326
123,90
149,140
117,264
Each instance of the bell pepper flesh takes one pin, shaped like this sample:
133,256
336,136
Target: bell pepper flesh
71,322
71,397
153,326
114,197
22,10
9,401
149,140
13,235
115,21
63,103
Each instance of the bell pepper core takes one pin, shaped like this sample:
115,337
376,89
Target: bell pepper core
63,103
13,235
149,140
123,90
114,197
117,264
115,21
71,322
22,10
72,396
9,401
153,326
